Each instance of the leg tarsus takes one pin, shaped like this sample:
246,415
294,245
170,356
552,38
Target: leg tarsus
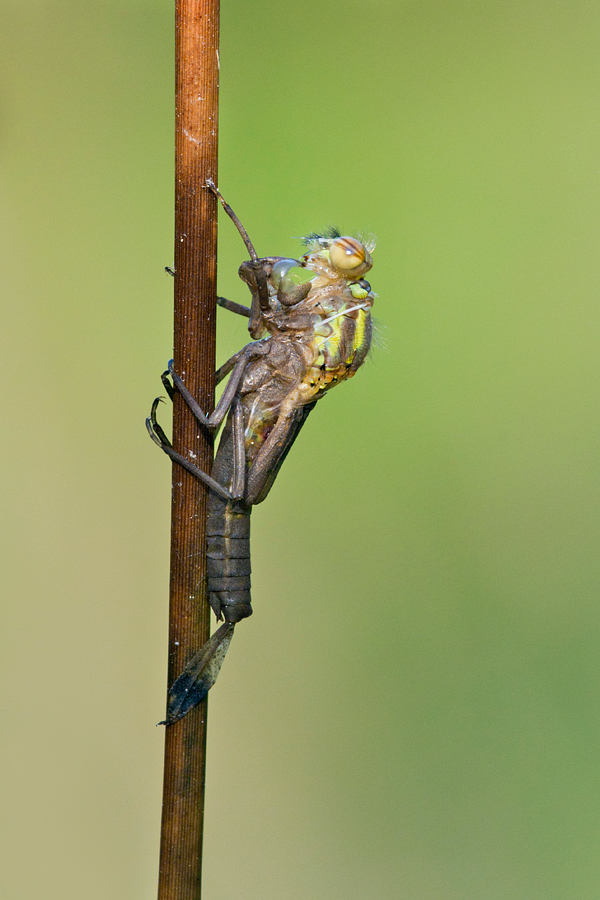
167,384
240,360
161,440
193,405
154,429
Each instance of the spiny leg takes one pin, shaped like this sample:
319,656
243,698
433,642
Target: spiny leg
238,363
161,440
214,419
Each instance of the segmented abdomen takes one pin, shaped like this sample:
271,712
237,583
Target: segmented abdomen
228,559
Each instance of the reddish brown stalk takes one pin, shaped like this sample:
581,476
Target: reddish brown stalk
197,65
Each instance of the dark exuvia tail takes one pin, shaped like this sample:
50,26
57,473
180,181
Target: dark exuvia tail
228,561
199,675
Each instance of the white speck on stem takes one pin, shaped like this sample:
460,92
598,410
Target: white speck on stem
189,136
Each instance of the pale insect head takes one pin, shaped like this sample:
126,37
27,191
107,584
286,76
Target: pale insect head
347,256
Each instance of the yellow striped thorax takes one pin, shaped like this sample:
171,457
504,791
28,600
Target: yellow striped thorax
317,340
341,300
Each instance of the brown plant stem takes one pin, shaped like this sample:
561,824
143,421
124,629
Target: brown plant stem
197,65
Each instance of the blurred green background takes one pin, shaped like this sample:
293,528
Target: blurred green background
413,711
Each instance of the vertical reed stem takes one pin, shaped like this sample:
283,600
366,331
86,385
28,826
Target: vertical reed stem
197,66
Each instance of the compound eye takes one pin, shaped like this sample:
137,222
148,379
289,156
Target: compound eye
280,270
349,256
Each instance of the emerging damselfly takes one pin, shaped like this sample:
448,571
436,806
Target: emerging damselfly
307,338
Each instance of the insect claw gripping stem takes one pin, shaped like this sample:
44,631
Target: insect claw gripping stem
154,429
180,386
167,384
162,441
